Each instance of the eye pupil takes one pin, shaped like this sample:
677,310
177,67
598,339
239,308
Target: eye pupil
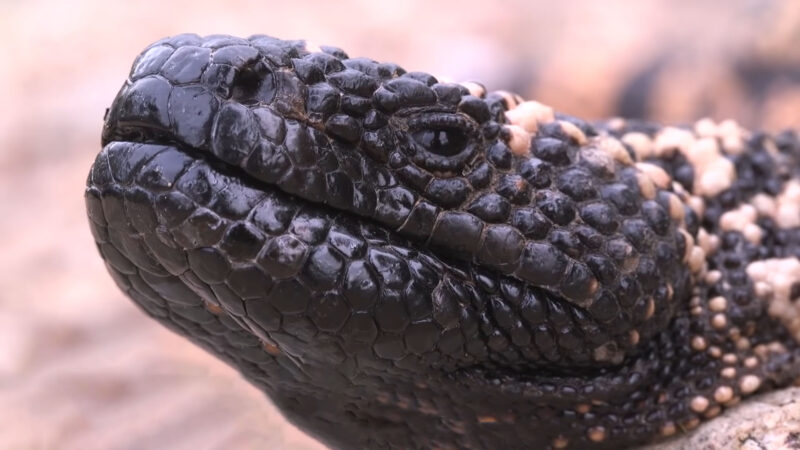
442,142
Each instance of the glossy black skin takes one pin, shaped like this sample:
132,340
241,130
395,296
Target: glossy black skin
362,244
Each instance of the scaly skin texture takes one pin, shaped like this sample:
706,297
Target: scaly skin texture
403,263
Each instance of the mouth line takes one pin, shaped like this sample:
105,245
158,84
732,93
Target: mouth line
141,132
146,133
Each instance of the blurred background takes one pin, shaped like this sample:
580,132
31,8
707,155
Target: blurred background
82,368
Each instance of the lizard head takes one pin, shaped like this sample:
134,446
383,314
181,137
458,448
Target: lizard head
481,178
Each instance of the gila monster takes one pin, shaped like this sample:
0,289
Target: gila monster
399,262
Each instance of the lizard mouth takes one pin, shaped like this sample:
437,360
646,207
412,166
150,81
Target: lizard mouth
142,133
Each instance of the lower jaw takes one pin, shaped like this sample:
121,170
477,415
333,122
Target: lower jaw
188,240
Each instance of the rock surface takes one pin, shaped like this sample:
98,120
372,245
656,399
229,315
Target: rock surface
767,422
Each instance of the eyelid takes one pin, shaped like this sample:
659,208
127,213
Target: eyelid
441,120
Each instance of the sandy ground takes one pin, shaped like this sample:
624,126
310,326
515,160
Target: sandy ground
80,366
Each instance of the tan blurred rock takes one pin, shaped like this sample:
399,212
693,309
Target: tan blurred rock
767,422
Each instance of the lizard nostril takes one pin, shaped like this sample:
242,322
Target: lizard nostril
253,83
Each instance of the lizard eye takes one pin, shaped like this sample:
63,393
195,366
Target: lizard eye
443,141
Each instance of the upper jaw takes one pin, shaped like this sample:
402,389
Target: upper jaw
152,106
180,87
